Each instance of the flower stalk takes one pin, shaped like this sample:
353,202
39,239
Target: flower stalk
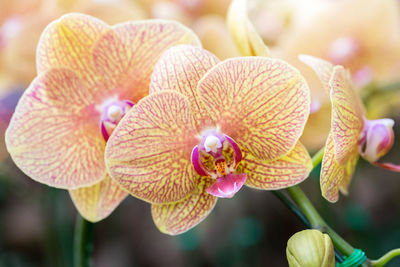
83,242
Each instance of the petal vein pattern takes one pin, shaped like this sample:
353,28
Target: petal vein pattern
54,136
180,68
262,103
347,115
96,202
287,171
179,217
149,152
128,54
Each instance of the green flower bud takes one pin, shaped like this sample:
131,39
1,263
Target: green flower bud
310,248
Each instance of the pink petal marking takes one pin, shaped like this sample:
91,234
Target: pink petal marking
236,149
227,186
196,162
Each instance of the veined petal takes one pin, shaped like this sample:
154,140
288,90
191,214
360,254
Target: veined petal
149,152
67,43
322,68
54,136
261,103
134,52
243,32
281,173
335,176
96,202
347,120
179,217
180,68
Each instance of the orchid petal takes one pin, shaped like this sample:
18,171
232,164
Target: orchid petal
322,68
347,120
227,186
148,153
281,173
335,176
67,42
180,68
261,103
96,202
179,217
54,136
127,54
243,32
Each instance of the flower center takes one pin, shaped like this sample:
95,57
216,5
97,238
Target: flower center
217,156
343,50
112,111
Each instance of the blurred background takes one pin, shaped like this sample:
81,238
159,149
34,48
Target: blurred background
37,222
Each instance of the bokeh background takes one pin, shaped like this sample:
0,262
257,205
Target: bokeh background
37,222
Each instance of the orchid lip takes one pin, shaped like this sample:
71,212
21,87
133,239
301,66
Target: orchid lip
376,139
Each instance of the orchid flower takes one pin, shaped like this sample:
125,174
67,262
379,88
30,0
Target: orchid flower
207,128
367,44
90,75
351,134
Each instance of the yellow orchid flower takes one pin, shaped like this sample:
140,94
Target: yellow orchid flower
89,75
207,128
351,134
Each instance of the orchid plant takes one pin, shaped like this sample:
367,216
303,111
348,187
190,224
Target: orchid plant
141,108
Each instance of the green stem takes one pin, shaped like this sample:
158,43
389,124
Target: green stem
386,258
83,242
317,158
317,222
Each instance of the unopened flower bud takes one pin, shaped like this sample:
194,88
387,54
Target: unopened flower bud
376,139
310,248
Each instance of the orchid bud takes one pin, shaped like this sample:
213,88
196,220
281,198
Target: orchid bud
310,248
376,139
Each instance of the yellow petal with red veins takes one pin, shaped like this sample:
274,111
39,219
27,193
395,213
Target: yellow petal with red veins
180,69
67,43
243,32
54,135
176,218
334,176
262,103
322,68
149,152
281,173
96,202
347,114
128,54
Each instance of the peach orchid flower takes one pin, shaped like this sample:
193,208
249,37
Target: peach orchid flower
351,134
207,128
89,75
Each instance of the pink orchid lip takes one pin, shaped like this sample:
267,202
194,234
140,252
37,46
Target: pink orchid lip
112,111
227,186
376,139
